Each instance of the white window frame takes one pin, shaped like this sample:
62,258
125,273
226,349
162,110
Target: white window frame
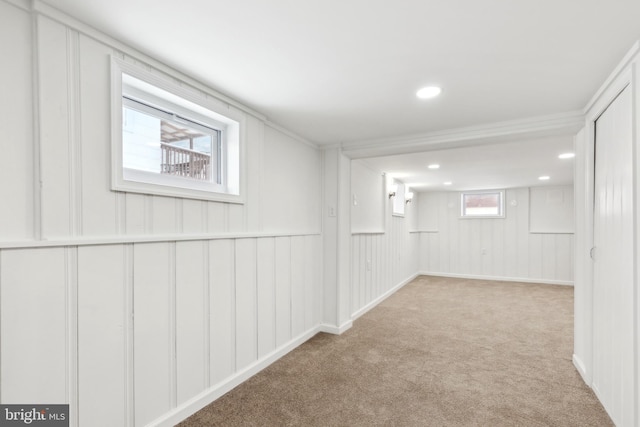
160,92
464,215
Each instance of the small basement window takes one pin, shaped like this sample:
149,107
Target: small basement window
171,141
485,204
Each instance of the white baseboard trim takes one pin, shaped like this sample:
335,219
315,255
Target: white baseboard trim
382,297
336,330
499,278
198,402
582,370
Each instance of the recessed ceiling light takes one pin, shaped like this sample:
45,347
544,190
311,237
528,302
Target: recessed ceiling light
448,183
544,178
434,166
428,92
567,156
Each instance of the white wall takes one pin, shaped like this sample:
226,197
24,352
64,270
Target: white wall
381,261
368,199
135,308
501,248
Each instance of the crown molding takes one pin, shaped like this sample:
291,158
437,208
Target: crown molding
559,124
631,56
291,134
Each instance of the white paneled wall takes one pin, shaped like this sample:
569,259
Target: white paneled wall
501,248
157,323
131,307
70,153
381,263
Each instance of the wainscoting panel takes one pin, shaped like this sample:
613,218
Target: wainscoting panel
313,282
283,290
380,262
33,323
192,347
266,296
158,324
102,335
297,285
222,303
246,307
153,294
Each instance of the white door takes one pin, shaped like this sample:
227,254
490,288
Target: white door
613,370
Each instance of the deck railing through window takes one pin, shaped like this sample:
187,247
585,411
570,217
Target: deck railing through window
185,162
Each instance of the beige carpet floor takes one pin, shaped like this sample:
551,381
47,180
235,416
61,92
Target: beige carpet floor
439,352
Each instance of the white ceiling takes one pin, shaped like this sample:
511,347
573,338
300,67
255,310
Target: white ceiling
336,71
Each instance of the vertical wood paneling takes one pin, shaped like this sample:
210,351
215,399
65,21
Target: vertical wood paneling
535,255
564,257
498,237
614,356
193,219
255,166
283,290
375,265
549,256
510,250
246,313
318,274
152,331
135,215
163,214
444,245
310,284
17,124
369,267
524,269
236,220
55,127
379,262
266,296
297,285
33,303
191,346
99,214
216,217
362,263
355,272
101,338
510,255
222,309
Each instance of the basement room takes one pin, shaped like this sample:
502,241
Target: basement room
320,213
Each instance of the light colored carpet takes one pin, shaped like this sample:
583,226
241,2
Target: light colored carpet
439,352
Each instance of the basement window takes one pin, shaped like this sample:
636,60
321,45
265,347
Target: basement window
482,204
171,141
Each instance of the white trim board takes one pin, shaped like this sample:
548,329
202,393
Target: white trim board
582,370
336,330
383,297
137,238
498,278
198,402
